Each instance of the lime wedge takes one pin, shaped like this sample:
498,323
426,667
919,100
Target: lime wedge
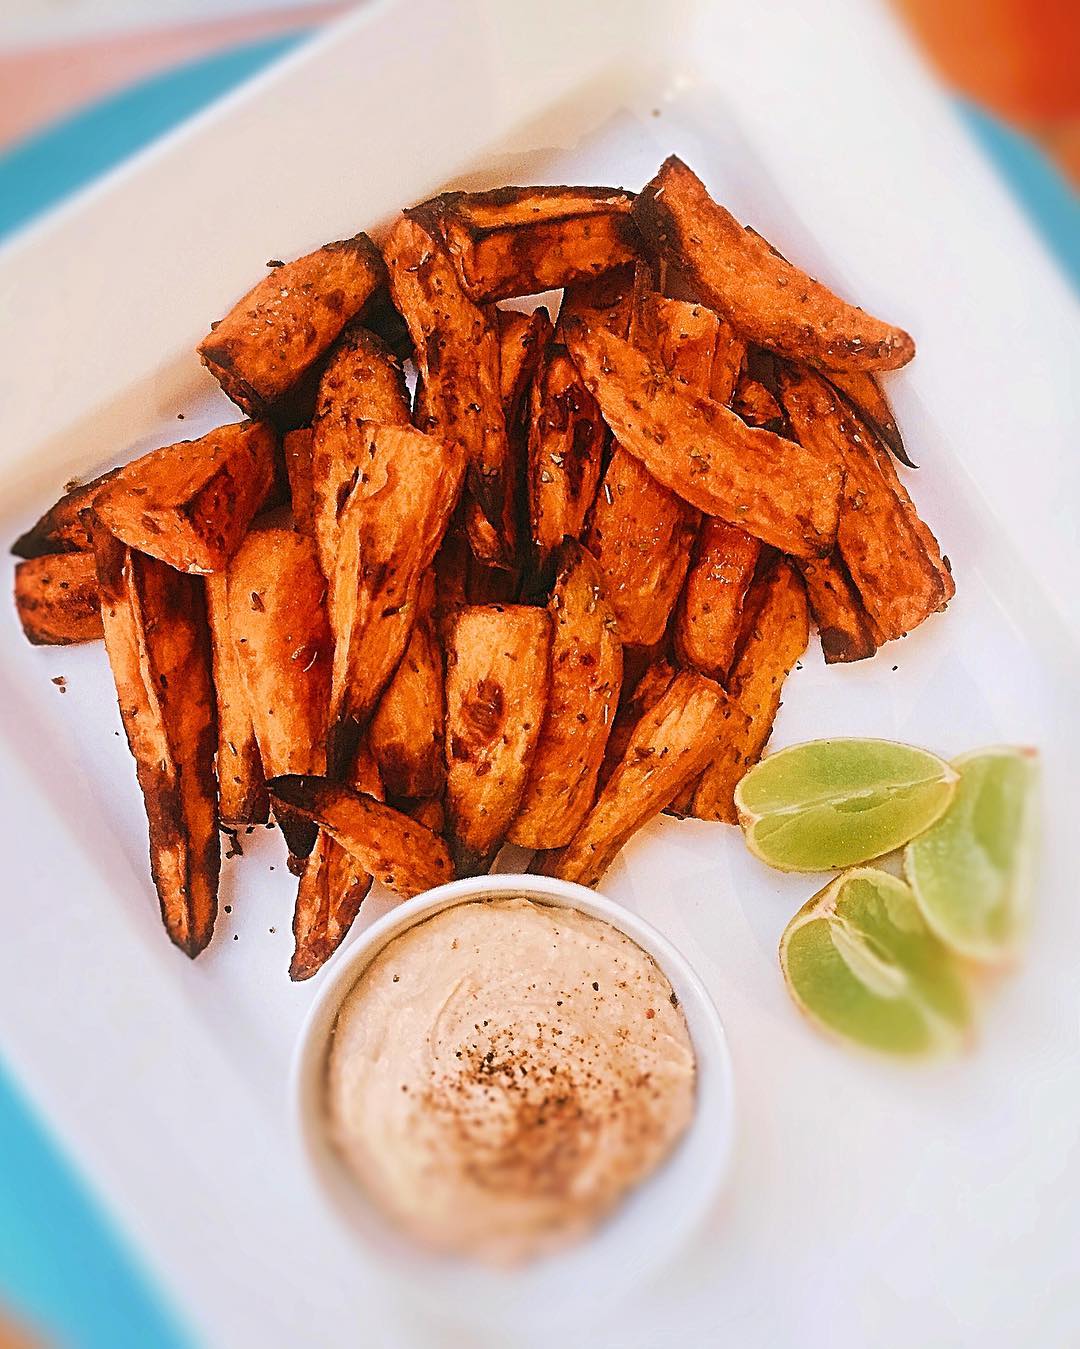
830,804
971,872
861,962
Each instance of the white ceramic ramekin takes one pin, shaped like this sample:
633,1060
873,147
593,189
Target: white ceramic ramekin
648,1229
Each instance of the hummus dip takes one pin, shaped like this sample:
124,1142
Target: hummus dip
504,1072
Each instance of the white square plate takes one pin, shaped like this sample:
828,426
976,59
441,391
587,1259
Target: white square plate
870,1204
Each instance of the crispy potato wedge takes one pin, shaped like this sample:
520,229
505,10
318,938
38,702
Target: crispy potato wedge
362,382
639,695
458,359
667,749
281,633
333,885
776,630
523,240
242,797
605,301
190,504
298,448
891,555
586,676
522,339
391,523
846,630
271,336
866,396
728,361
158,645
756,406
566,446
57,599
403,855
709,615
61,528
407,730
765,297
776,490
497,679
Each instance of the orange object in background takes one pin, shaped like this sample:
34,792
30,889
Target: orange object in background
1019,58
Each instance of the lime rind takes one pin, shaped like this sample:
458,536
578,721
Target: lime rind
862,964
971,872
829,804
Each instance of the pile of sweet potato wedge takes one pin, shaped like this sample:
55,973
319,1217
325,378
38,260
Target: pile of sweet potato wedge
470,574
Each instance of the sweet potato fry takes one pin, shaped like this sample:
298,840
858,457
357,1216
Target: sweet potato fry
775,633
638,697
57,599
390,526
605,301
242,798
866,396
774,489
271,336
667,749
522,240
709,615
566,445
429,812
190,504
458,359
451,576
407,729
756,406
586,675
522,339
679,336
728,361
159,650
497,680
362,382
765,297
892,557
61,528
403,855
277,613
297,446
333,885
846,630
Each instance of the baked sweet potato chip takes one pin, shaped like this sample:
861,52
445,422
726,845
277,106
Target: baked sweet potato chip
497,678
407,730
390,525
891,555
765,297
242,798
281,634
332,886
776,490
458,360
776,630
159,650
669,745
271,336
586,676
566,446
846,630
61,528
866,396
523,240
709,615
190,504
403,855
57,599
297,447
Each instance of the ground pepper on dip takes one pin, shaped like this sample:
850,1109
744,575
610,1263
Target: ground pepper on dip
503,1073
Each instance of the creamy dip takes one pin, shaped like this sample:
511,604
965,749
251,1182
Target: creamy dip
503,1073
